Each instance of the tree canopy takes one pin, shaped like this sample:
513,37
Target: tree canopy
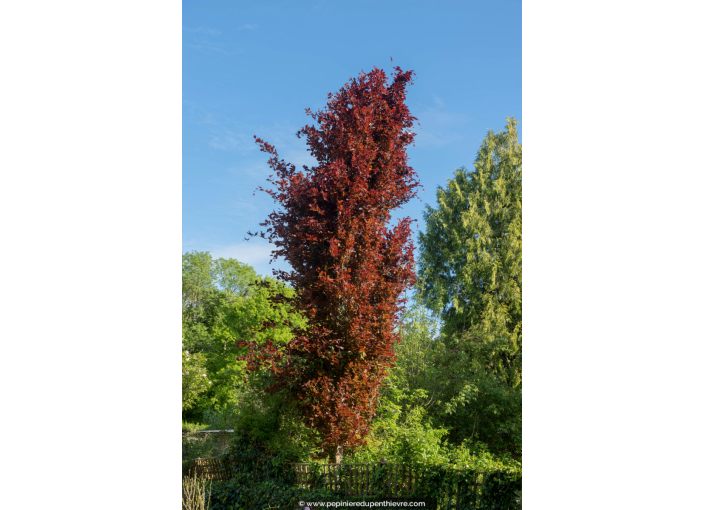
349,269
222,307
470,255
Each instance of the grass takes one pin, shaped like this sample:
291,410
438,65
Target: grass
194,445
193,427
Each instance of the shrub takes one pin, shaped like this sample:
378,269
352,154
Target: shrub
187,426
400,436
195,494
439,488
194,446
263,478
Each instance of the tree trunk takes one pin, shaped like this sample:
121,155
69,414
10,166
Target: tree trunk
338,454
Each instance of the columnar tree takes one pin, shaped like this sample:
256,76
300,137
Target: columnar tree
470,264
348,267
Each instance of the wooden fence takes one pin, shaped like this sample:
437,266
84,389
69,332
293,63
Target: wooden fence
212,468
382,479
357,479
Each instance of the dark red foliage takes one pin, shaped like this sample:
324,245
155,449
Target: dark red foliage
349,269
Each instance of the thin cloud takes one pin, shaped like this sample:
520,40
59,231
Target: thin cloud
259,169
208,46
300,156
255,253
282,135
251,253
424,139
248,26
438,101
241,210
200,115
240,137
229,140
207,118
203,30
438,127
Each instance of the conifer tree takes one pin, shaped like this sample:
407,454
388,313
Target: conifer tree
470,255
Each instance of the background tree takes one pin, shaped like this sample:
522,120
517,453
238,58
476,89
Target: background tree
233,277
439,378
220,308
209,287
196,282
241,322
470,256
349,269
194,378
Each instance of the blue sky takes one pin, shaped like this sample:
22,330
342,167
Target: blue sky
251,68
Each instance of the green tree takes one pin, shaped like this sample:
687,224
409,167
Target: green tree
418,363
209,288
194,378
470,256
233,277
240,326
221,309
196,282
442,376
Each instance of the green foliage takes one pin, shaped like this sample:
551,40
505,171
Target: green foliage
209,287
451,404
470,278
450,488
471,255
240,323
261,478
195,446
439,490
221,308
200,274
233,277
252,460
269,419
485,409
187,426
196,281
402,436
418,358
233,495
407,433
194,378
460,395
262,474
499,491
224,418
476,455
238,494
